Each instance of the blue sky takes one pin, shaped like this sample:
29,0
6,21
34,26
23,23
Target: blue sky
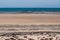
30,3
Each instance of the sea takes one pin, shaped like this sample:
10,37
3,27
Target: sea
29,10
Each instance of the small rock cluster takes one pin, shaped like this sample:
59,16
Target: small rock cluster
41,36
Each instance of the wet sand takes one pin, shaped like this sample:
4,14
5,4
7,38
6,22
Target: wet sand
29,19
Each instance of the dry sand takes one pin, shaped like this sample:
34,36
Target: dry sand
29,19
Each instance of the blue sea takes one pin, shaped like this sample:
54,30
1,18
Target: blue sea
28,10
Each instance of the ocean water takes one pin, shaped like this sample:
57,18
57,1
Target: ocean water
28,10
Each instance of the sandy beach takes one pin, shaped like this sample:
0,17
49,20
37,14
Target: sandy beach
29,19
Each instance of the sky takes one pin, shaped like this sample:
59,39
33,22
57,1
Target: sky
30,3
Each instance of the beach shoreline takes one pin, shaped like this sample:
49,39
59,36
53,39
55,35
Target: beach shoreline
29,19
